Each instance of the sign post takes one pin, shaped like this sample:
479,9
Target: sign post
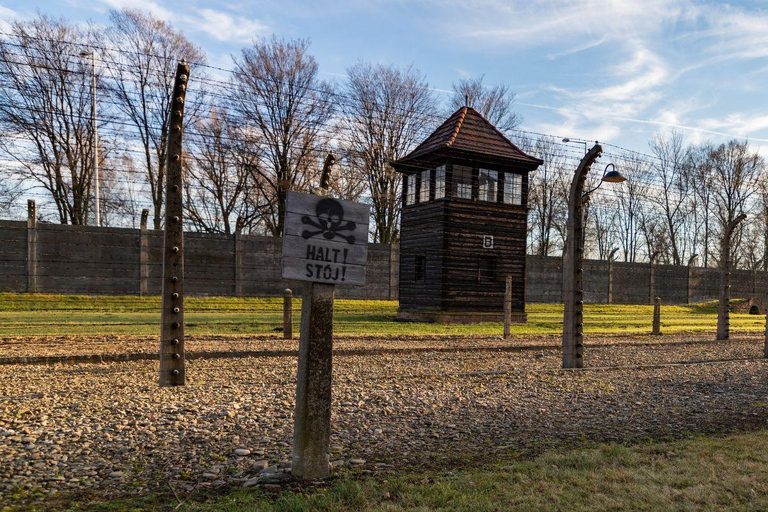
326,243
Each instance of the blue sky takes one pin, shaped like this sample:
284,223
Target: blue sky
615,71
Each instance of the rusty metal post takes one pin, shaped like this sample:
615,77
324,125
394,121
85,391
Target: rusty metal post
172,334
657,316
724,307
288,314
508,308
573,275
31,246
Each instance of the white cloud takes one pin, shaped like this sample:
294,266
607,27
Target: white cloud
6,17
541,22
226,27
154,8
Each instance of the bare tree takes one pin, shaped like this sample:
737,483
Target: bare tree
702,200
45,111
734,171
762,206
548,208
388,110
11,192
146,53
629,200
495,103
219,186
671,199
278,91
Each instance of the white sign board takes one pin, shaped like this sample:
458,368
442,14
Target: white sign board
325,239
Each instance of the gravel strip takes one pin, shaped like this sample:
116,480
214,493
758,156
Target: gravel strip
123,346
107,428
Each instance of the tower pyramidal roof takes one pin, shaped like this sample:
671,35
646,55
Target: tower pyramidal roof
467,131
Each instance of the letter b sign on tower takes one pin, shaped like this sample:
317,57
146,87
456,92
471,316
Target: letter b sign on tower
325,239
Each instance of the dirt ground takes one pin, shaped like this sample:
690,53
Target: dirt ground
399,404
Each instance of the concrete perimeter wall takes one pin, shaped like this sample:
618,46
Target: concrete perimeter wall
52,258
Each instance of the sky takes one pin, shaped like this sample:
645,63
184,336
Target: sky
615,71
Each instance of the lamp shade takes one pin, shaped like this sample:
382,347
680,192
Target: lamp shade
613,176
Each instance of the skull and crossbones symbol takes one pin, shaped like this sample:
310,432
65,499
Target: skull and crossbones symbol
330,220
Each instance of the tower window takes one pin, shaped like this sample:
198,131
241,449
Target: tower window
424,194
410,189
462,182
420,268
440,182
489,185
486,269
513,188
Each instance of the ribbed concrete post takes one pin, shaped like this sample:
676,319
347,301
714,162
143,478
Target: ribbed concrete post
172,353
573,274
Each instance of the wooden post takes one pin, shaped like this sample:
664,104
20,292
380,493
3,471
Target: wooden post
508,308
143,254
172,334
765,342
573,275
394,271
657,316
287,314
31,246
652,278
689,272
238,258
724,307
610,274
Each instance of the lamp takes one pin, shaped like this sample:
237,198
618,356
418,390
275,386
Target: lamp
613,176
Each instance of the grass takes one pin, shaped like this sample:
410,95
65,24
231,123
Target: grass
703,473
73,315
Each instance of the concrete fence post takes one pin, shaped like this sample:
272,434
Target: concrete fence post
143,254
287,314
657,316
172,353
31,246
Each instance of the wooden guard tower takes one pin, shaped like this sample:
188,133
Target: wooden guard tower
464,223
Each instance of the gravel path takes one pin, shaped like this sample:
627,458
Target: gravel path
108,428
